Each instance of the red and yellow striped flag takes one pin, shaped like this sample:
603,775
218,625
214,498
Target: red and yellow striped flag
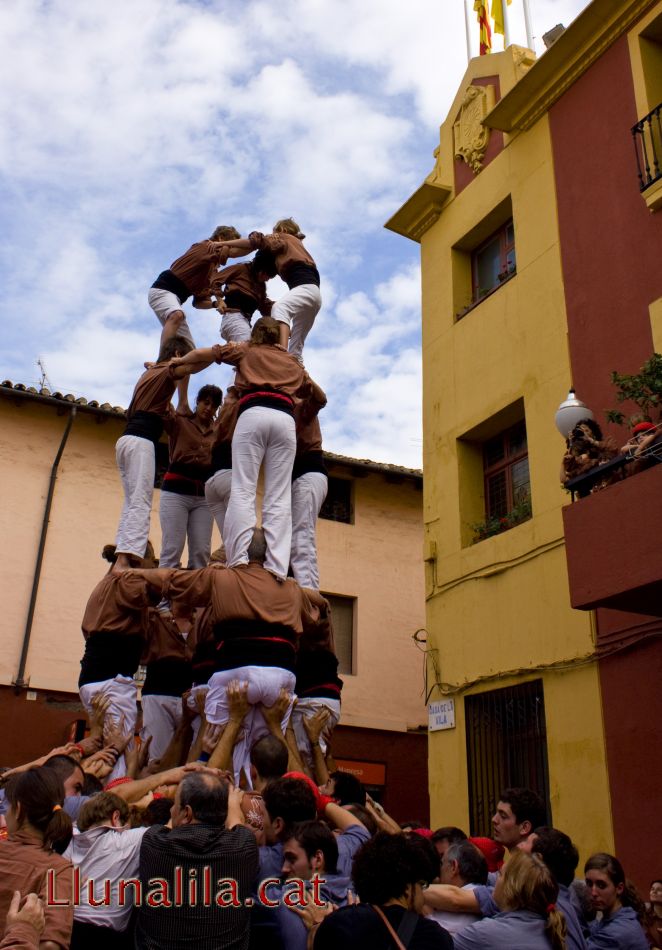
497,16
482,8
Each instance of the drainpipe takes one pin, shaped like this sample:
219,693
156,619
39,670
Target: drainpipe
19,683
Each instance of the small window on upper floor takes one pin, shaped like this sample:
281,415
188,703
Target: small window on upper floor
507,483
338,504
343,613
493,262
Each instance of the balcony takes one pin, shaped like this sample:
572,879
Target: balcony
647,138
613,544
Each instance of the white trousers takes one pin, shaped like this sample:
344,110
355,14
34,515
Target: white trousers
304,709
136,462
184,518
235,328
298,309
163,303
261,435
123,693
217,495
308,494
162,715
264,686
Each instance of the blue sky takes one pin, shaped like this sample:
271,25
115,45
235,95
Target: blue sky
130,130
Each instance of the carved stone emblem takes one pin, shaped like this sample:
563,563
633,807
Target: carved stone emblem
470,135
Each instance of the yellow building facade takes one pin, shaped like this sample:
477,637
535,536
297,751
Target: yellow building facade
503,642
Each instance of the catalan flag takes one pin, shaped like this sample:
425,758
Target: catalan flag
482,8
497,16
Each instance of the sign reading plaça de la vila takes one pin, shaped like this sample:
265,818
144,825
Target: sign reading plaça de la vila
441,715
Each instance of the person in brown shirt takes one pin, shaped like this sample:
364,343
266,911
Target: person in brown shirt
257,621
115,627
296,310
184,513
167,657
218,485
189,275
240,290
268,380
29,857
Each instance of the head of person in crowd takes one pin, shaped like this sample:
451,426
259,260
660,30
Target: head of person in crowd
265,332
157,812
288,226
556,850
208,400
225,232
655,896
345,787
35,808
268,761
426,852
443,838
91,785
391,868
109,553
200,799
608,888
526,883
70,773
287,801
364,817
491,851
518,812
310,849
462,864
257,549
264,265
176,346
103,810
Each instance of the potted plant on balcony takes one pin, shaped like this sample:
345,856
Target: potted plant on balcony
644,389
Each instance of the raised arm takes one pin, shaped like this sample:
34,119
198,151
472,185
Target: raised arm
451,898
194,362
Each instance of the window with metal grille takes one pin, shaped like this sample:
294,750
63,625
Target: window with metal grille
506,748
493,262
343,610
338,502
506,472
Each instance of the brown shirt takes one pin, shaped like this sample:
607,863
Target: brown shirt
246,592
265,366
118,604
287,250
319,630
197,266
24,867
153,391
189,442
240,278
165,640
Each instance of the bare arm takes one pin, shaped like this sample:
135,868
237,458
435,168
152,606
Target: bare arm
237,694
194,362
451,898
314,726
340,817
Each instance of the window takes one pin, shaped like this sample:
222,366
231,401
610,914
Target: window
506,748
493,262
342,615
338,502
506,471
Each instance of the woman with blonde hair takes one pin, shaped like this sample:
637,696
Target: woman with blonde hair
296,310
526,892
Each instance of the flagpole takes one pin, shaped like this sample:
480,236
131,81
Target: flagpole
468,30
506,28
528,25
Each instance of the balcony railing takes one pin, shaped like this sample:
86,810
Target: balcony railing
647,137
582,485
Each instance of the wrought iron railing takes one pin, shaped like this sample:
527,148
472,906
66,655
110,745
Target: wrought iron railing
647,137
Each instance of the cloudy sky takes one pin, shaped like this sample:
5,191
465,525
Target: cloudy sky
131,129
